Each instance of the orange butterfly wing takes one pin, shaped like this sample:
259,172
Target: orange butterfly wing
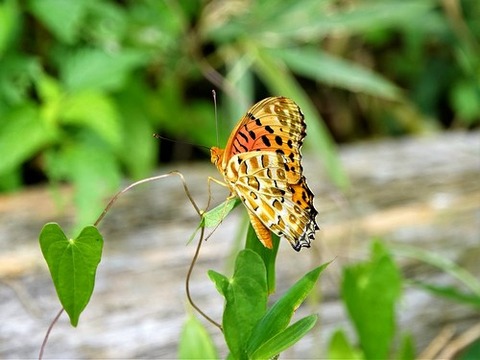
261,164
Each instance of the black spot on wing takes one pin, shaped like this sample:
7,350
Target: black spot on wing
269,129
266,141
243,136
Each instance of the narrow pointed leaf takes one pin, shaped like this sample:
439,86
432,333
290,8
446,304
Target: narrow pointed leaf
278,316
321,66
285,339
72,264
407,348
340,348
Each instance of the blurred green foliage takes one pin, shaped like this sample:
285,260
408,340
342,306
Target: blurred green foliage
85,83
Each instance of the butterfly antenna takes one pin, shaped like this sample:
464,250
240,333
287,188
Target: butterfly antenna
214,95
158,136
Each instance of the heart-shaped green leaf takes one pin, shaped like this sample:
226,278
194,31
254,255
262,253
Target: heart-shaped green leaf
72,264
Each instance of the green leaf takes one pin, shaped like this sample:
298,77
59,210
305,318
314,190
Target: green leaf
246,301
370,291
285,338
278,316
221,281
465,99
95,69
195,342
11,180
364,17
63,18
215,216
9,24
95,110
94,170
139,147
278,24
450,293
268,255
441,262
334,71
340,348
471,352
72,264
17,75
407,348
23,134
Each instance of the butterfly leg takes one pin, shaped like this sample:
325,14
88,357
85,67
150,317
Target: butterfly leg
211,180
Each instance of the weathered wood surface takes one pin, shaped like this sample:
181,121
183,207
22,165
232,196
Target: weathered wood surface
423,192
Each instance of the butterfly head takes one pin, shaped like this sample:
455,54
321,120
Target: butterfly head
216,155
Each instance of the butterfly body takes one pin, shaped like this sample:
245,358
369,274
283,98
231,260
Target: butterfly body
261,164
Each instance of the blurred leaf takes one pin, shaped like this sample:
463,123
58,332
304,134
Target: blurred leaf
11,180
239,75
334,71
61,17
95,110
195,342
450,293
246,301
72,264
407,349
138,147
268,255
17,74
9,24
281,82
370,291
94,171
465,97
311,20
368,16
441,262
279,315
340,348
23,134
472,351
285,339
95,69
107,24
49,91
266,19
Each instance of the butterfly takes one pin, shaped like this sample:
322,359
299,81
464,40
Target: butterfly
261,164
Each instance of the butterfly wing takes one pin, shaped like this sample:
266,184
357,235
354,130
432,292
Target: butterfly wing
274,124
260,181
